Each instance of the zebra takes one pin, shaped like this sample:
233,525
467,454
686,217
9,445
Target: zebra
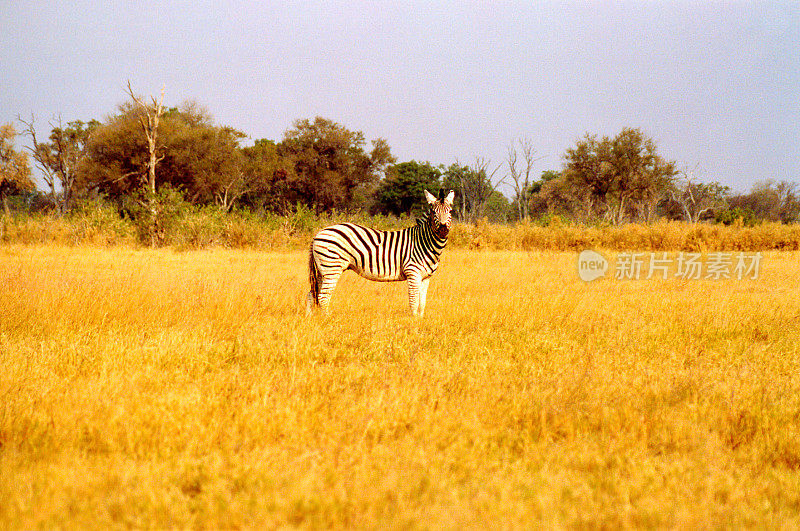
410,254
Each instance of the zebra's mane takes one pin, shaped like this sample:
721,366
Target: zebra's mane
425,218
423,223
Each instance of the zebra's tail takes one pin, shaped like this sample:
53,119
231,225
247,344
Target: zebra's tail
313,278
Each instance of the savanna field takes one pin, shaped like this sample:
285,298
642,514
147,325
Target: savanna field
186,388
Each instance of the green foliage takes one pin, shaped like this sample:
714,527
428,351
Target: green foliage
744,216
60,160
301,220
196,227
266,172
539,201
549,220
97,221
330,168
156,217
196,156
616,179
326,168
319,163
15,171
206,161
695,201
547,176
403,189
472,188
497,208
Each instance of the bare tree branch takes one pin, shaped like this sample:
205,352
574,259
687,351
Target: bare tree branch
522,175
41,154
149,117
697,198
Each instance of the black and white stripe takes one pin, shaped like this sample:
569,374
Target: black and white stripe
410,254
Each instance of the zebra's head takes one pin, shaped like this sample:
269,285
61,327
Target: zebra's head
439,216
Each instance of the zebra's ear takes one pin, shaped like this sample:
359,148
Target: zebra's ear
429,197
449,199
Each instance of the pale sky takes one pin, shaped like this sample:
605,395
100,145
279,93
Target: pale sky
715,84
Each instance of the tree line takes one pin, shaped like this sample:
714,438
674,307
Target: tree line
146,156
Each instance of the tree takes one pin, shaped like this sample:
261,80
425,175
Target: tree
730,216
15,172
539,201
265,175
556,195
202,160
696,198
617,177
789,201
116,157
771,201
402,191
60,158
330,168
520,172
205,161
473,186
497,209
149,115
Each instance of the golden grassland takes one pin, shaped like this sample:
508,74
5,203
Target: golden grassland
155,388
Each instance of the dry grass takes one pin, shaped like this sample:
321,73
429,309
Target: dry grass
161,389
659,236
205,228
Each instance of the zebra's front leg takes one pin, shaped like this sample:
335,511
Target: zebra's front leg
414,293
423,295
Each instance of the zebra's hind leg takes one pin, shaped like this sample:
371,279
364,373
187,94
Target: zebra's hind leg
326,288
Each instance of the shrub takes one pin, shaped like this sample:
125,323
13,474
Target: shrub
156,217
737,215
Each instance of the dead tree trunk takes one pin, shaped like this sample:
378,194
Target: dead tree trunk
149,116
522,175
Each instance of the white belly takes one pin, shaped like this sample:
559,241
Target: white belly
384,277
